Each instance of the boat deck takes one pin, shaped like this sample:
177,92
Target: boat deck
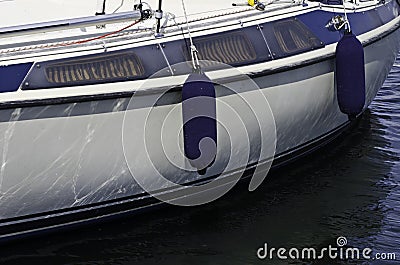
12,46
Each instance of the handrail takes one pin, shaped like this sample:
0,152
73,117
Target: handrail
70,23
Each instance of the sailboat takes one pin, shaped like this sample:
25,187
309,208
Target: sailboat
112,108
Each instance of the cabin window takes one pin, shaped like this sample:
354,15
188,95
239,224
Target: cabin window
95,69
230,48
293,37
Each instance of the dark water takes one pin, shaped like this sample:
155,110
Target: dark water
350,188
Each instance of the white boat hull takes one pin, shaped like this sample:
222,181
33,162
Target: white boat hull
65,156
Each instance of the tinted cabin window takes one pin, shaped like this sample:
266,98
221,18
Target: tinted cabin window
95,69
294,37
231,48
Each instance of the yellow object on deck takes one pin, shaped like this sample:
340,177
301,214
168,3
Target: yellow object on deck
252,2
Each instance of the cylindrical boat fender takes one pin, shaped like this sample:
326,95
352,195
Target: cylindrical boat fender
199,121
350,75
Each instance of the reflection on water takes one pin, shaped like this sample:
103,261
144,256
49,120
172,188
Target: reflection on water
350,188
387,109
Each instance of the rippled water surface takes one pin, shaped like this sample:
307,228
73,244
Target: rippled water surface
350,188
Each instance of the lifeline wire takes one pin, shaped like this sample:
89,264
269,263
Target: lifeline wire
193,50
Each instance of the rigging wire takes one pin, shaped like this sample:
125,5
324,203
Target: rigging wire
119,7
346,20
193,49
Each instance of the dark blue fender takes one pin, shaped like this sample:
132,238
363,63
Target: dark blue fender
350,75
199,120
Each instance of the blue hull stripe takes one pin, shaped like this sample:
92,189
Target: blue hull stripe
12,76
